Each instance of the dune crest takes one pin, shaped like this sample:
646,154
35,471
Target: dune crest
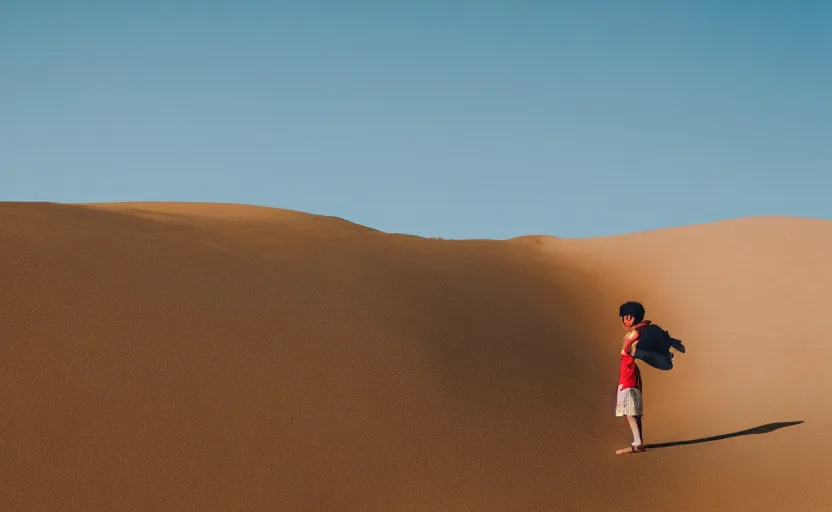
161,356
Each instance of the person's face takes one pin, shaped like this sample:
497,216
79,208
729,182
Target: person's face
628,321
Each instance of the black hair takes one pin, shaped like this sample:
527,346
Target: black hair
634,309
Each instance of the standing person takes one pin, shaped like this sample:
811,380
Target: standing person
629,400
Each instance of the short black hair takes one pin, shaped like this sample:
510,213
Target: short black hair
632,308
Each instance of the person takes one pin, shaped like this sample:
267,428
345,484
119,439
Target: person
629,397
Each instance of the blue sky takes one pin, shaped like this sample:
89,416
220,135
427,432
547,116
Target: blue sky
457,119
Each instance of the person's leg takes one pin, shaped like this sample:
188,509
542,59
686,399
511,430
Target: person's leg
639,412
635,426
630,405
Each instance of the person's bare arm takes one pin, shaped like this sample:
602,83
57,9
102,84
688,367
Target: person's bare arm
630,342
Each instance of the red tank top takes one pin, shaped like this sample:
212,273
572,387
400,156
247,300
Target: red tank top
629,376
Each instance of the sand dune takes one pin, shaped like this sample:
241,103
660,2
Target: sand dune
224,357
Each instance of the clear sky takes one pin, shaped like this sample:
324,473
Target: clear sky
439,118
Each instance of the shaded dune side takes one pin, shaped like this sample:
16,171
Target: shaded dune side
197,365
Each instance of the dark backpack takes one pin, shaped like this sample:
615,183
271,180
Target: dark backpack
654,347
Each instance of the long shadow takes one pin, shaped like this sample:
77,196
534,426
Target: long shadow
762,429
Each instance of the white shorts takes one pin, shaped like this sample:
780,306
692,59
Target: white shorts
629,403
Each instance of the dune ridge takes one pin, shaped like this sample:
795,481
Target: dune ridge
173,356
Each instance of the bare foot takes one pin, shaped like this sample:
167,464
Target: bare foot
631,449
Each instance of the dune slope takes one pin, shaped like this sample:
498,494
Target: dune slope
225,357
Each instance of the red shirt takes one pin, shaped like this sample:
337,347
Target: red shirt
629,376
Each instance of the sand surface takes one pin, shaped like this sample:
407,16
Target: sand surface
190,357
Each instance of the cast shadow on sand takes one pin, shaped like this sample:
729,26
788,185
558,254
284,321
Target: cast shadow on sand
762,429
